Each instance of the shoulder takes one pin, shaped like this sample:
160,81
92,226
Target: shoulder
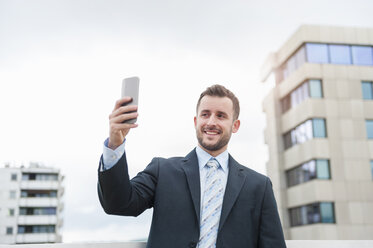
192,157
253,175
171,160
167,162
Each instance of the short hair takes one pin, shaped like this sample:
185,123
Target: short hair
221,91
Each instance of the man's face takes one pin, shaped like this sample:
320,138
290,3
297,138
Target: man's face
214,124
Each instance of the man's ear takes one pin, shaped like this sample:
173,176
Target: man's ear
195,121
236,126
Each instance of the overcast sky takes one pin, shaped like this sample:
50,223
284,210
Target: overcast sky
62,63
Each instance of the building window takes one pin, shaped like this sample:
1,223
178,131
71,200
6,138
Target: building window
11,211
326,54
12,194
340,54
39,177
317,53
314,169
38,211
314,128
367,88
315,88
369,126
362,55
371,168
36,229
310,88
321,212
13,177
39,193
294,62
9,230
318,126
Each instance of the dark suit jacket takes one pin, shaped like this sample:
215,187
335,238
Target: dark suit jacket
249,217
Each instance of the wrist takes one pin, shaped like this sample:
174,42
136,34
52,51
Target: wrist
113,145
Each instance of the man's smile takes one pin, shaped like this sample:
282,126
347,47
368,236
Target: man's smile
212,131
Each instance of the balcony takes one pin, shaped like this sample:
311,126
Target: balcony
38,184
289,244
37,220
36,238
38,202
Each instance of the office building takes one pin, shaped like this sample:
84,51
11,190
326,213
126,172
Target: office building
30,204
319,132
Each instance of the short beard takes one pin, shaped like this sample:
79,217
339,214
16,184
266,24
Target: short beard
213,147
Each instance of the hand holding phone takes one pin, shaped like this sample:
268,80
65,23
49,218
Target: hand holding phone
130,98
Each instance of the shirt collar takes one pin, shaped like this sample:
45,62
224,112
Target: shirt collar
204,157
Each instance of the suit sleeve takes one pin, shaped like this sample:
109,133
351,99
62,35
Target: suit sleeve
270,230
119,195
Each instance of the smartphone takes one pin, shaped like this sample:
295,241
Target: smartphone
130,87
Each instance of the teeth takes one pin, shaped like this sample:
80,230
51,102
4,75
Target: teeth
211,132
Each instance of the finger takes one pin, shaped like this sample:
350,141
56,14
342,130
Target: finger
124,117
122,110
116,127
122,101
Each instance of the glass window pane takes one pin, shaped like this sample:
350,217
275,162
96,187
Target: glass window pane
312,169
319,130
308,125
371,167
303,215
21,229
369,125
305,175
362,55
9,230
301,134
367,88
322,169
327,212
340,54
315,88
13,177
305,93
299,177
22,211
317,53
291,65
313,213
300,57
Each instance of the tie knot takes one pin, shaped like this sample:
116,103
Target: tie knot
213,163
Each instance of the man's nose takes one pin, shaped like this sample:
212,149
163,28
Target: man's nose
211,120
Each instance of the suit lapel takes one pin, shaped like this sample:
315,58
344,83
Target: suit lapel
235,182
191,170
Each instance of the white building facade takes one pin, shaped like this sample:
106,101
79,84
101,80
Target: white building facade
31,204
319,132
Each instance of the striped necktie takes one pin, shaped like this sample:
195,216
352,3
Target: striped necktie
211,208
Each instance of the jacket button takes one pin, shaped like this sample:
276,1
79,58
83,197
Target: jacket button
192,244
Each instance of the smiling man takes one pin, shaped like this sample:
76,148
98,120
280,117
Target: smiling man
205,199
